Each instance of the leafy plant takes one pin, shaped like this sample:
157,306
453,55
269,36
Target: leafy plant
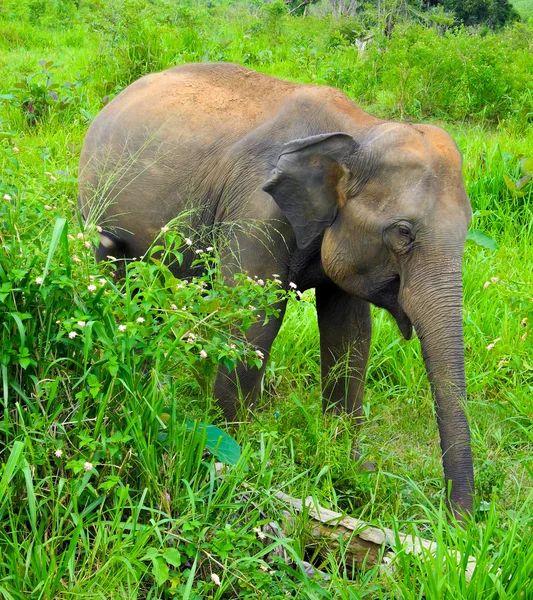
38,96
523,186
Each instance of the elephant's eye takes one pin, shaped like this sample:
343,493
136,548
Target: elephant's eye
400,236
405,231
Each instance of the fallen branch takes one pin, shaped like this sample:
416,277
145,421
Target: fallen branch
363,543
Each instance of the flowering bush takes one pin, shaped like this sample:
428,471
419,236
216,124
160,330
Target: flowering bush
65,316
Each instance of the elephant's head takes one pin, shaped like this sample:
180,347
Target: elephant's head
393,215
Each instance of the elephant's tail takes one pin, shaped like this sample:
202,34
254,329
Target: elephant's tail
110,246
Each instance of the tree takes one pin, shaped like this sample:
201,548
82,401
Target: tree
493,13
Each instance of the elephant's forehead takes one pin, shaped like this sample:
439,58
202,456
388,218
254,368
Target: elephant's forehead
414,146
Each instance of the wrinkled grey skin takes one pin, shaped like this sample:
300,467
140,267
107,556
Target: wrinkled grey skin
328,197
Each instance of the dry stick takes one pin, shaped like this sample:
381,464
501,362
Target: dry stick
304,3
363,542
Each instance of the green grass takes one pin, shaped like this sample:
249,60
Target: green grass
152,518
524,7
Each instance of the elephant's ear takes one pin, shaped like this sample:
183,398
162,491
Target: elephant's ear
307,183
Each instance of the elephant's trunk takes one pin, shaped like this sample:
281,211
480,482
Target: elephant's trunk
434,305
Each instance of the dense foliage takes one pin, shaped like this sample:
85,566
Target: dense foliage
106,486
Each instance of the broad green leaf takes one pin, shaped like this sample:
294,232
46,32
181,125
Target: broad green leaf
151,553
222,445
173,557
526,166
159,570
482,239
511,185
219,443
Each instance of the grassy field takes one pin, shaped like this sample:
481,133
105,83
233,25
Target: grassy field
524,7
105,491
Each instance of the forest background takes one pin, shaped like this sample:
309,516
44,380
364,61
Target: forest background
108,485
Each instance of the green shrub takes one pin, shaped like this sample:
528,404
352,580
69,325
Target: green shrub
38,97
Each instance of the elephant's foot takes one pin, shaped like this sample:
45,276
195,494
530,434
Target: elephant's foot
365,466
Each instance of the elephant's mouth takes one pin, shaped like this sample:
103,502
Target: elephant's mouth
387,297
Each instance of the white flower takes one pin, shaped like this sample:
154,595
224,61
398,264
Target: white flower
52,178
164,229
39,280
92,277
209,249
276,276
494,279
87,245
72,335
260,354
203,353
75,259
299,294
15,149
491,346
88,466
99,229
263,568
215,578
47,207
260,282
173,307
59,453
140,320
252,307
80,236
81,323
102,281
91,287
188,241
486,285
7,197
259,533
232,346
292,285
122,327
199,251
109,257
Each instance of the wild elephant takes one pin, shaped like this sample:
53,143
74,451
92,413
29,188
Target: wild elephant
364,210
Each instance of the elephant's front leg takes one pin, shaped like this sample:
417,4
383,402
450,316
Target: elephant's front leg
238,389
345,331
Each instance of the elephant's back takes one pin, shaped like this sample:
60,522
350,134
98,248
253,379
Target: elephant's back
205,100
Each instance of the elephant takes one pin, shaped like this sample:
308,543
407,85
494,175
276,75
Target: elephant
364,210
